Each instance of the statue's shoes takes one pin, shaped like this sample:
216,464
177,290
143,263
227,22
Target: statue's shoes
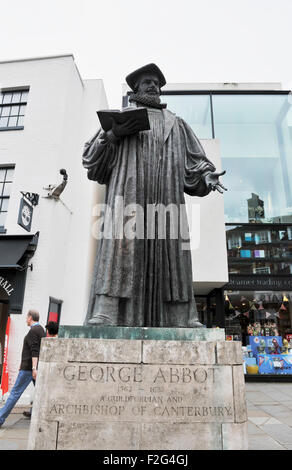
195,324
100,320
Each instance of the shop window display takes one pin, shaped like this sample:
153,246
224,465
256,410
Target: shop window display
265,322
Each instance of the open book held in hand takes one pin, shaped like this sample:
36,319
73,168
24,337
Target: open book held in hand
137,114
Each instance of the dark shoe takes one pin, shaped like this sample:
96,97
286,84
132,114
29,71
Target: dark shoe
27,414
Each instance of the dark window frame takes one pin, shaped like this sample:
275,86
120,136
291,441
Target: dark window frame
59,302
5,181
20,103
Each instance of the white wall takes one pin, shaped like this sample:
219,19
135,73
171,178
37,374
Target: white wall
207,231
60,117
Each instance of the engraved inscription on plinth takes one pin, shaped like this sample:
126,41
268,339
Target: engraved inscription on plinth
189,395
151,393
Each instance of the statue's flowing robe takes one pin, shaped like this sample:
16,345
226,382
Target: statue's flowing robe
150,278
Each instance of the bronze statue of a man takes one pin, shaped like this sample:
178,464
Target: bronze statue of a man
147,281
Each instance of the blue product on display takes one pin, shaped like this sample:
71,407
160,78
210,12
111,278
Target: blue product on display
275,364
273,343
271,361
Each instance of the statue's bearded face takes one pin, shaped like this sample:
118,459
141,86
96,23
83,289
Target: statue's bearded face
149,85
148,90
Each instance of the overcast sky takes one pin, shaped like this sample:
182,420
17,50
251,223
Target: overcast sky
190,40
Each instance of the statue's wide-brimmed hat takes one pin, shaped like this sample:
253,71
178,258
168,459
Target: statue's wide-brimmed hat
132,78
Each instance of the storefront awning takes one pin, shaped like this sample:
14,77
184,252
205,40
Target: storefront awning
15,249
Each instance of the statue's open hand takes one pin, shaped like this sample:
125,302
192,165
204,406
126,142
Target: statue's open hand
212,181
126,128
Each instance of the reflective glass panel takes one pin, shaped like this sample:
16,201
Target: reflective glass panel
22,109
259,249
5,111
14,111
12,121
194,109
16,97
24,96
20,121
9,174
7,189
3,121
255,133
7,98
5,202
2,218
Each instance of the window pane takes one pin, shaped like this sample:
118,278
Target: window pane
12,121
9,174
14,111
3,121
22,109
7,189
2,175
5,111
2,218
16,97
255,133
20,121
194,109
24,96
54,307
5,202
7,98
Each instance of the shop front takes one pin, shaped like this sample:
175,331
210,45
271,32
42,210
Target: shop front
15,253
254,128
260,307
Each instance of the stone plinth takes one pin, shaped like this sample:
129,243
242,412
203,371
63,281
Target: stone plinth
98,389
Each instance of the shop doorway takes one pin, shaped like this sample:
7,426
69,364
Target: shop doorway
210,309
4,307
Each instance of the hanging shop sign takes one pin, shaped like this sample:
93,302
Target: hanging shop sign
12,287
6,286
26,210
15,253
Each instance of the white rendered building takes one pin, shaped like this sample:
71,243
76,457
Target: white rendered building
47,113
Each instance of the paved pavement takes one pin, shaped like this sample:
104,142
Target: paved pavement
14,432
269,407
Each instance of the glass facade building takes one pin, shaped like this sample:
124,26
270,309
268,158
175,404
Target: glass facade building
255,133
254,129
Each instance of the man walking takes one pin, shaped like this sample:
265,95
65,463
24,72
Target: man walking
29,362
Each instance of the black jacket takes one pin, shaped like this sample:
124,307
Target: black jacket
31,346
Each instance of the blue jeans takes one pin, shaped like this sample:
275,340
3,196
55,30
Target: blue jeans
23,380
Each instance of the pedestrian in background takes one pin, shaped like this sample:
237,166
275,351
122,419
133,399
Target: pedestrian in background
28,366
52,329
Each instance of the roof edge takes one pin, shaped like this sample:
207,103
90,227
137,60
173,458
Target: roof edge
27,59
49,57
